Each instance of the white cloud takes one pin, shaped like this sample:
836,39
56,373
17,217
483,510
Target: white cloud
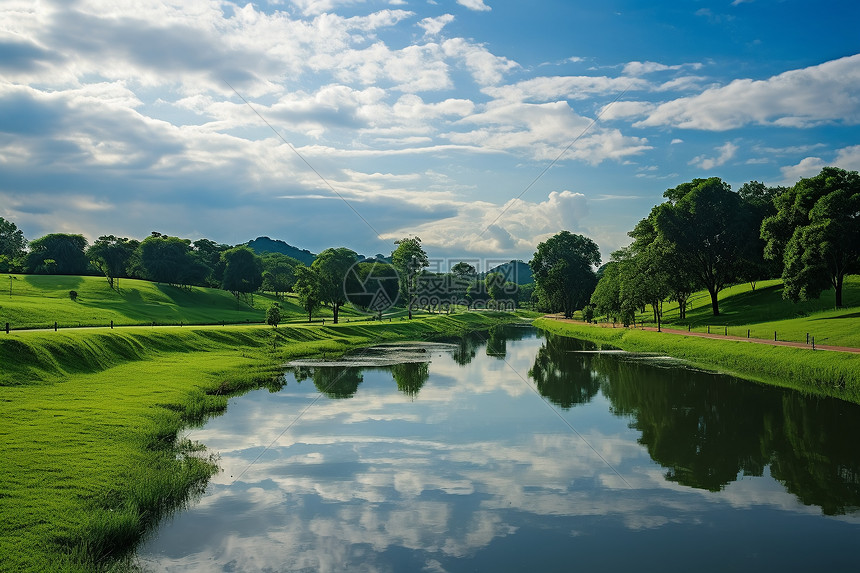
849,158
641,68
432,26
477,5
726,152
485,67
510,229
798,98
808,167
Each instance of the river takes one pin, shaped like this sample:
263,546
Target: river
521,451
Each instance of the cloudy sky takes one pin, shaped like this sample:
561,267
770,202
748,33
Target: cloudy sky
481,126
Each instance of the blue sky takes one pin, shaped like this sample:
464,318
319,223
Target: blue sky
481,126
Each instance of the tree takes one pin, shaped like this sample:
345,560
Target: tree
563,269
166,259
307,286
273,315
707,226
279,274
208,256
243,271
820,217
111,255
332,267
12,245
410,260
758,199
65,253
606,297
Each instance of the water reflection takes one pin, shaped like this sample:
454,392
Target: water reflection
456,464
707,432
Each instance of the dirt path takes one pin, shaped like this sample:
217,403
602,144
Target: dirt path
721,337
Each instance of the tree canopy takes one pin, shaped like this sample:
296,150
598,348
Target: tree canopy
563,269
111,255
816,233
332,267
410,260
59,254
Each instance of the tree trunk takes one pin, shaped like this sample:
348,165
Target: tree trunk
714,302
839,291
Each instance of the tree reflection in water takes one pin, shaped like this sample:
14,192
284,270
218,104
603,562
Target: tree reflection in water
708,430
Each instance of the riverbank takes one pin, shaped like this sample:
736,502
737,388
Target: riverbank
89,419
813,371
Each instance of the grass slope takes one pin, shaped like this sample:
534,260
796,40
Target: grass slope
88,421
764,311
37,301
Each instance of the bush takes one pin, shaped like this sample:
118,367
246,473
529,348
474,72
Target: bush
73,294
273,315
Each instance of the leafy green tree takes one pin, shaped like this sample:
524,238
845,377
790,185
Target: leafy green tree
207,253
758,199
563,269
707,226
12,245
307,287
333,382
273,315
111,255
243,271
67,253
410,260
823,215
332,267
165,259
606,297
279,273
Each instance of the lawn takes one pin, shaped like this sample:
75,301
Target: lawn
89,419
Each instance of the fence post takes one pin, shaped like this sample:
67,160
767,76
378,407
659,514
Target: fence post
111,324
709,329
689,328
807,338
748,332
774,336
55,326
727,331
813,343
7,328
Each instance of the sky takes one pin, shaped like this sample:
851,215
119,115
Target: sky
483,127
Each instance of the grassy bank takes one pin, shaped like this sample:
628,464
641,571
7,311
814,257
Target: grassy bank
819,372
89,418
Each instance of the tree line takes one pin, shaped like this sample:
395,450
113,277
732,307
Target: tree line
705,236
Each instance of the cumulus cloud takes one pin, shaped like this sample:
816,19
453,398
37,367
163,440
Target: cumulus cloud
432,26
513,229
726,152
477,5
799,98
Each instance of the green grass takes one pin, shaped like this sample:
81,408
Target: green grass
764,311
819,372
37,301
89,419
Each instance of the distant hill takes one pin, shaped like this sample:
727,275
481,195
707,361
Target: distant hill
262,245
514,271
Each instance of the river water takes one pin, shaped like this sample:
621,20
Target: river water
521,451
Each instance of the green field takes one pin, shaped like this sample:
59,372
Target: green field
38,301
89,417
764,311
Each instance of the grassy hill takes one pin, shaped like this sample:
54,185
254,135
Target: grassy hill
37,301
764,311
